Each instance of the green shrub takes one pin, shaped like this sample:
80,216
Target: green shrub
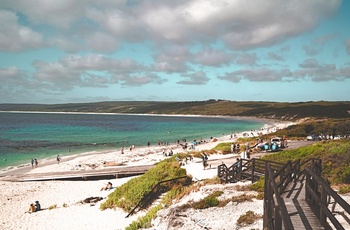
52,207
209,201
223,148
259,185
248,218
260,196
128,195
334,154
145,221
242,198
344,189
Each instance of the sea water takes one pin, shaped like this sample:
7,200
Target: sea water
24,136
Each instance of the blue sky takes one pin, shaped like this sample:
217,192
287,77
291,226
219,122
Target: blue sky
174,50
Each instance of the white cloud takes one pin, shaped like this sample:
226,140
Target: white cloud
247,59
14,37
197,78
310,69
240,24
347,45
211,57
92,71
60,14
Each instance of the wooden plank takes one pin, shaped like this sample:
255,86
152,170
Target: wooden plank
81,175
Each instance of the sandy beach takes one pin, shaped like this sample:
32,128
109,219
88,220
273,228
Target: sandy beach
62,200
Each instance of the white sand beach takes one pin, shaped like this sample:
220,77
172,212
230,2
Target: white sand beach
63,209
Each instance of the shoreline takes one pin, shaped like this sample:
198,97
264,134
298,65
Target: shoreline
265,124
65,196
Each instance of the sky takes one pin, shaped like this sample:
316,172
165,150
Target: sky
174,50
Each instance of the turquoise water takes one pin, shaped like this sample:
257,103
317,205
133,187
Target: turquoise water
43,135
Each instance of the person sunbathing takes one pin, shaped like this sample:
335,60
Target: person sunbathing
107,187
37,206
31,208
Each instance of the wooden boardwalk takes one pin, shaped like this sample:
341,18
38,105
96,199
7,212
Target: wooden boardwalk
295,195
301,215
107,173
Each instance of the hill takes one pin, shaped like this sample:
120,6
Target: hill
272,110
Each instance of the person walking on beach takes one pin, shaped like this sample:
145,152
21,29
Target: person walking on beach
58,158
35,163
32,163
205,160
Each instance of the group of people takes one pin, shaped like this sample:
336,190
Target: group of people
34,163
34,207
169,154
235,148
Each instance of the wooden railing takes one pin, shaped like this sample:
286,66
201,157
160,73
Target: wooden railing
318,195
275,211
247,169
149,196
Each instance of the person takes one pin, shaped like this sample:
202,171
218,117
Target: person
58,158
31,208
205,160
238,163
32,163
35,163
107,187
37,206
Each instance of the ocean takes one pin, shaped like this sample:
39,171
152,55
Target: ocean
24,136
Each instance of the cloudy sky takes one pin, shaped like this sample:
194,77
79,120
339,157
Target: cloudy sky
174,50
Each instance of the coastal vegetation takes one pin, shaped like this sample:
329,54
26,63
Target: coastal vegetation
318,127
272,110
335,157
248,218
130,194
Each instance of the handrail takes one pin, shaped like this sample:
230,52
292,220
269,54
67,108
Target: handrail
316,193
146,197
275,215
243,169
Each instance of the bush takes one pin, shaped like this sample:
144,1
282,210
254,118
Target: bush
224,148
259,185
145,221
209,201
248,218
52,207
128,195
344,189
242,198
334,154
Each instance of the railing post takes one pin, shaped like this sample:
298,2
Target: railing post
253,169
307,187
267,200
322,205
240,168
278,218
